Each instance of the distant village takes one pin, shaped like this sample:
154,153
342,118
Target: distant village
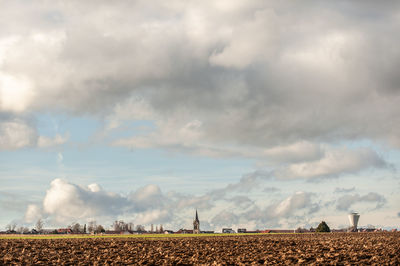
121,227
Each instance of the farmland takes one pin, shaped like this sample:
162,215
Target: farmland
336,248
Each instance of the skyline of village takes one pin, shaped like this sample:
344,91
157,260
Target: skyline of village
122,227
245,110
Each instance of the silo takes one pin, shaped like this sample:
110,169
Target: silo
353,218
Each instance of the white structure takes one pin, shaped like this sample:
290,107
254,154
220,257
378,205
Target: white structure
353,218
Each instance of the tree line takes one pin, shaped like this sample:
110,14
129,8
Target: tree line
92,227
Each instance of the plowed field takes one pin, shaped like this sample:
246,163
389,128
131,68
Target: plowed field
336,248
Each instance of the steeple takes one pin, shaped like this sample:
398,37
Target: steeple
196,224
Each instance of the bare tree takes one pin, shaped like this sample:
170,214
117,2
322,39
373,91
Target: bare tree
11,227
131,226
121,226
92,226
100,229
23,230
140,228
39,225
76,228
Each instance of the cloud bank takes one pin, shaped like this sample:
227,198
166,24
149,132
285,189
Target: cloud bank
209,75
345,202
66,202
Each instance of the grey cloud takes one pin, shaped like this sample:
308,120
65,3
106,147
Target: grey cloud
241,201
271,189
344,190
293,209
246,183
345,202
225,218
257,74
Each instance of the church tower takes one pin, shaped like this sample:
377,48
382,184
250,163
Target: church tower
196,225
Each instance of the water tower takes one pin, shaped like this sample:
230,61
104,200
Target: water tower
353,218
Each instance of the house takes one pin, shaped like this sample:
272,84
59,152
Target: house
184,231
64,231
253,232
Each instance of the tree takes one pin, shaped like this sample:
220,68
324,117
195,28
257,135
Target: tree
39,225
100,229
323,228
140,228
131,226
11,227
23,230
92,226
76,228
84,229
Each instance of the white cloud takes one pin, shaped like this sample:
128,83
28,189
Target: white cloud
295,202
16,133
46,142
33,213
15,93
334,163
65,201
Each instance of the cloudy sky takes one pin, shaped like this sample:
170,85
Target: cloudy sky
260,114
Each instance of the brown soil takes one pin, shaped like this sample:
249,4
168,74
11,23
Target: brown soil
336,248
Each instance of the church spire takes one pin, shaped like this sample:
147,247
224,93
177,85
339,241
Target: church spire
196,224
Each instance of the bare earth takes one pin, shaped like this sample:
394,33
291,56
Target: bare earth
336,248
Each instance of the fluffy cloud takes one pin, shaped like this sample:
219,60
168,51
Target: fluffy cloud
33,213
16,133
65,202
345,202
291,210
295,202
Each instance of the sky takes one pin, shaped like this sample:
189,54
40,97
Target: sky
259,114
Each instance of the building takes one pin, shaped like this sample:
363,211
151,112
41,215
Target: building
184,231
228,231
196,224
353,219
